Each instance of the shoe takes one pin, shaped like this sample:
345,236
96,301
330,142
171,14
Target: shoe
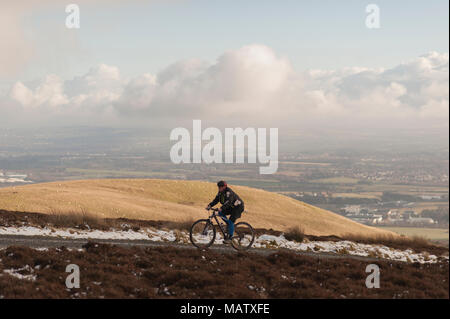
227,241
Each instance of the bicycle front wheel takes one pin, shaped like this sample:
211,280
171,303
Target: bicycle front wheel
244,236
203,233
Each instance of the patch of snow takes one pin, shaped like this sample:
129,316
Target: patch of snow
16,273
262,241
72,233
346,247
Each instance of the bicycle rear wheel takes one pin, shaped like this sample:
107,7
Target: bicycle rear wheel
203,233
244,236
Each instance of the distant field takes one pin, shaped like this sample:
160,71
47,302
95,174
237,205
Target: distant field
305,163
350,188
358,195
336,180
174,200
405,189
99,173
429,233
421,206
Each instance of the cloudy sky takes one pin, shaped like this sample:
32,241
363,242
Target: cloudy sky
252,63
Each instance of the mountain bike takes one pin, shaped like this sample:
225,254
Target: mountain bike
203,232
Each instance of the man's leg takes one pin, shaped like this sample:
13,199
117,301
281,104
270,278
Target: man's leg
229,222
231,226
235,214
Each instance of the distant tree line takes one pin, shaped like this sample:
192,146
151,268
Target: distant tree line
393,197
440,215
309,199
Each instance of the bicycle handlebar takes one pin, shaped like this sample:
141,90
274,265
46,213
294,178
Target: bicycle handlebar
215,210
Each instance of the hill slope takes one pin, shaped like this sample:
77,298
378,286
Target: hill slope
154,199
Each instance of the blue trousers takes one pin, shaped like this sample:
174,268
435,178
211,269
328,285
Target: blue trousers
229,222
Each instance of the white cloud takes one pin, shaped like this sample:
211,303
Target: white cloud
49,93
251,83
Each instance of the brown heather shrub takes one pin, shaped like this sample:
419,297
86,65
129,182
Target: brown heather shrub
82,219
415,243
343,251
184,225
296,234
167,272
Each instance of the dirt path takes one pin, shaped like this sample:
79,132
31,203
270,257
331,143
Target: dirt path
54,242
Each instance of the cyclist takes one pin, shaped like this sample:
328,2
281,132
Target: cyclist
232,205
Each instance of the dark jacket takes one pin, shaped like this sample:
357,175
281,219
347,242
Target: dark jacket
228,199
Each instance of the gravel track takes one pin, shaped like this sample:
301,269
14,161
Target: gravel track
55,242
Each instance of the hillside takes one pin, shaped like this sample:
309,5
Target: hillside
154,199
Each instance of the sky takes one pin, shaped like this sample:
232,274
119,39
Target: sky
290,63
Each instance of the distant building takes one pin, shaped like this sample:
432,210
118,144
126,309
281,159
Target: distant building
430,197
420,220
353,209
377,219
394,220
393,214
408,214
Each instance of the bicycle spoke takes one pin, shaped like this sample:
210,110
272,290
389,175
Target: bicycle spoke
202,233
244,236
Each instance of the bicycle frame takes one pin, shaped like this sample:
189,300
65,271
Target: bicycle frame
215,215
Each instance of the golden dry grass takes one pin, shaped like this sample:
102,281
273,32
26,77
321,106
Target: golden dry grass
172,200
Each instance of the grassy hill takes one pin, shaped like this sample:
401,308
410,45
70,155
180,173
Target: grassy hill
154,199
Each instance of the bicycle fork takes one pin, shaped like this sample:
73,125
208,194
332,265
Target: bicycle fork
205,230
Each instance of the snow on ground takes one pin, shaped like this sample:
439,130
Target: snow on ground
74,233
347,247
263,241
17,273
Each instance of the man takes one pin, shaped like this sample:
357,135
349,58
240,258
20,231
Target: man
232,205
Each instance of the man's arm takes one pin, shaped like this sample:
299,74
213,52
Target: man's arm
214,202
